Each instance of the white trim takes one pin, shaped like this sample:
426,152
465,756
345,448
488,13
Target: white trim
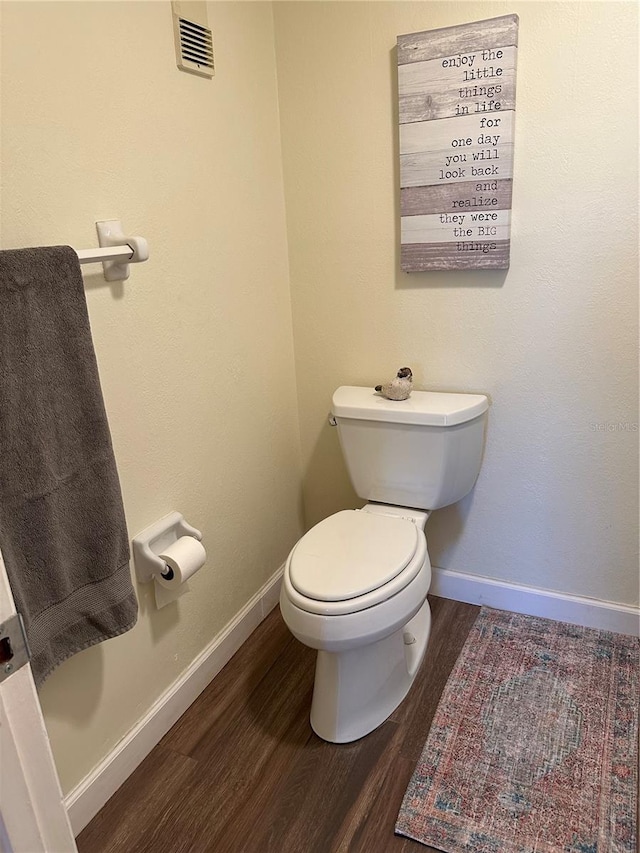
590,612
88,797
32,814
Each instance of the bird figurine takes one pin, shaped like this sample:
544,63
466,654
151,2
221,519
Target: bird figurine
400,386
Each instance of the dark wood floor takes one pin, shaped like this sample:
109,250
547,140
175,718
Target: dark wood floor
242,771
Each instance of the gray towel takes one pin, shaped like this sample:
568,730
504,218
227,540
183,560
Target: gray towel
63,534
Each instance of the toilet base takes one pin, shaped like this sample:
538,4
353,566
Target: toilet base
356,690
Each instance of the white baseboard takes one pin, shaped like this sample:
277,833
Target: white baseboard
590,612
88,797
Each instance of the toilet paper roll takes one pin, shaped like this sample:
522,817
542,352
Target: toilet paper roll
184,557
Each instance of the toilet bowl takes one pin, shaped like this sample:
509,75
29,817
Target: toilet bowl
355,586
355,589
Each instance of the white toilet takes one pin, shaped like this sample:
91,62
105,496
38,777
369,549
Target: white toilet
355,586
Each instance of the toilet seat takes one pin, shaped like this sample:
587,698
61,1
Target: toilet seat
353,560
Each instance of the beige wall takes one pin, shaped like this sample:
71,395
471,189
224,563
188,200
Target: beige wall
553,341
195,351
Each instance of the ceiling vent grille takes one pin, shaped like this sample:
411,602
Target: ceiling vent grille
193,38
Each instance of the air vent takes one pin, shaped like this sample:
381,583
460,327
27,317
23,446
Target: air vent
193,39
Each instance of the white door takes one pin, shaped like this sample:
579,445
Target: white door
33,818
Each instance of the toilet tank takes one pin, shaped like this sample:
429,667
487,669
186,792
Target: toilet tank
424,452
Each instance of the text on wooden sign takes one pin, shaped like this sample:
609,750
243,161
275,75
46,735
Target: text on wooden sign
457,90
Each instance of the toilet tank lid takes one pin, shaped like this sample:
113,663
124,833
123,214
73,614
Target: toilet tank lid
430,408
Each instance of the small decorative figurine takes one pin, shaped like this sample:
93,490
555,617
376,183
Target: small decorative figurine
400,387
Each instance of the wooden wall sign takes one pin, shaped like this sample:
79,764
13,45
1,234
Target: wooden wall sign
457,99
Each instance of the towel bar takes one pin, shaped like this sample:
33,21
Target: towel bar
113,253
116,251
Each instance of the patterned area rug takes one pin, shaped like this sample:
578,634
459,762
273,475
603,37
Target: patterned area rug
534,746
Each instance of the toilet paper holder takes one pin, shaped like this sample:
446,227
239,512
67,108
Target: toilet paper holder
153,540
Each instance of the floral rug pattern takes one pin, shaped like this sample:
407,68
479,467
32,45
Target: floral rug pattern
534,746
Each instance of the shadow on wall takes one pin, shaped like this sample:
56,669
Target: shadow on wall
445,528
86,668
94,279
445,278
325,480
161,622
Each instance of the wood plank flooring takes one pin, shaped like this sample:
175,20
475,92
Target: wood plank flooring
242,771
